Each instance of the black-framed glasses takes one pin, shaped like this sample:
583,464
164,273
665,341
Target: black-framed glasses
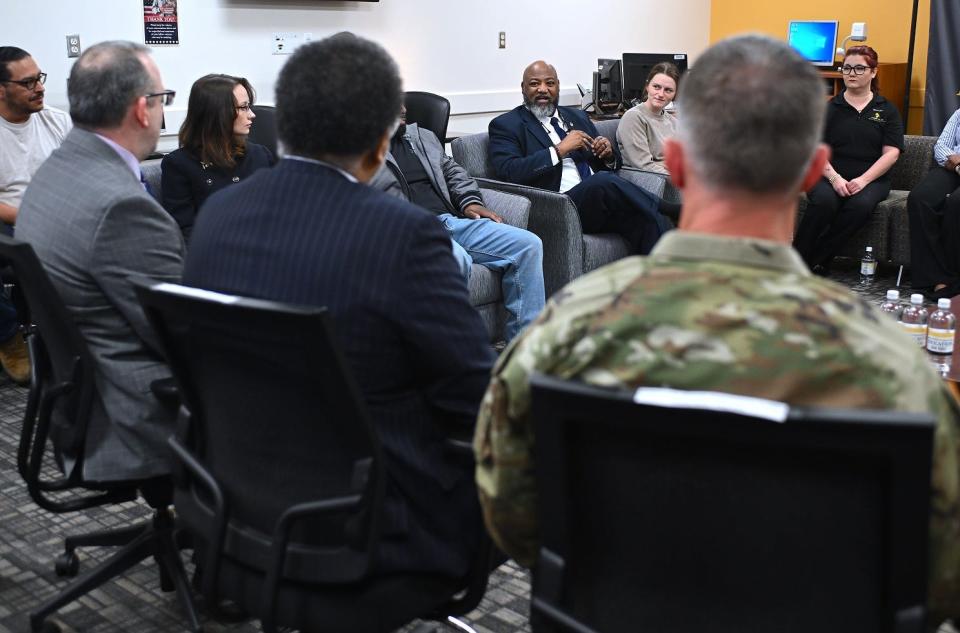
167,95
30,83
859,69
244,107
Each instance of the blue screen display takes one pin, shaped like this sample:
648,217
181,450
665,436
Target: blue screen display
816,40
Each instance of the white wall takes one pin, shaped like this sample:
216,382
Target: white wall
443,46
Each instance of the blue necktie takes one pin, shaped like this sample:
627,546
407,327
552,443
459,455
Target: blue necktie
582,167
146,185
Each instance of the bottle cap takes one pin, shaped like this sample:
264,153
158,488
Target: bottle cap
916,299
893,295
943,303
869,249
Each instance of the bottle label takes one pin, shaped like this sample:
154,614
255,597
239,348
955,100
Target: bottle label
868,268
917,331
940,341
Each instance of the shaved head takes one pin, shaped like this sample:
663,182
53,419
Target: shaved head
541,68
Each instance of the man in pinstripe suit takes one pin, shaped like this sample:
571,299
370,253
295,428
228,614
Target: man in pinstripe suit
94,227
309,231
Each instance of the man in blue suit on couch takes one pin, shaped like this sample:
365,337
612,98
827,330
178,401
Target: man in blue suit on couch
543,144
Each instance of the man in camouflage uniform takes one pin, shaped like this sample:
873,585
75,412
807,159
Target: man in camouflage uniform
724,303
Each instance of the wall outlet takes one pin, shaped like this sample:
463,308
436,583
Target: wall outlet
73,46
503,39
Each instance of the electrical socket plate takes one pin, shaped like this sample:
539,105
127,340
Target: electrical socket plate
73,46
287,43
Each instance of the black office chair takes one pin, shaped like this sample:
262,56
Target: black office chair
54,429
667,519
264,128
428,111
282,477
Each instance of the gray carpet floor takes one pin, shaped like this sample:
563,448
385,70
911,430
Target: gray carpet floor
31,538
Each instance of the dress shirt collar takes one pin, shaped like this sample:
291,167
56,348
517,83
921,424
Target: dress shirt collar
125,154
745,251
343,172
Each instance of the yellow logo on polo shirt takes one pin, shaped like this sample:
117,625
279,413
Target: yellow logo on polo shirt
877,117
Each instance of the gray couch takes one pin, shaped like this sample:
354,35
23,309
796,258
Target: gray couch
485,294
567,252
888,230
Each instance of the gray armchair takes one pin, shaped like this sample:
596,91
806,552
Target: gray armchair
567,251
485,293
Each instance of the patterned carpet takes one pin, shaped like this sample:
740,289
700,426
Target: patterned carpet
30,539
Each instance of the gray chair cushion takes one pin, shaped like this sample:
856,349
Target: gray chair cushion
471,153
514,209
151,173
601,249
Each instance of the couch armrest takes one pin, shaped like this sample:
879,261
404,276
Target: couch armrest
657,184
554,219
514,209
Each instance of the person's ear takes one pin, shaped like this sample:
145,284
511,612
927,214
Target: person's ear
815,170
673,160
371,161
141,111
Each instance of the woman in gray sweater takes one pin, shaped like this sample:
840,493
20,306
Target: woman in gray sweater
644,127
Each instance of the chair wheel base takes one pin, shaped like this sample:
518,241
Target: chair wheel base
67,564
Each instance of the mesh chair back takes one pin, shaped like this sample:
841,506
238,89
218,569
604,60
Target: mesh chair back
683,519
273,417
264,128
63,385
429,111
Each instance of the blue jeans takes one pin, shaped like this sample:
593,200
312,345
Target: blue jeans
515,253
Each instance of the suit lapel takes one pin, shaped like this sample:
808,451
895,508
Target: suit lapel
534,127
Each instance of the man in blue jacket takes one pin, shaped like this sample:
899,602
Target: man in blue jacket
543,144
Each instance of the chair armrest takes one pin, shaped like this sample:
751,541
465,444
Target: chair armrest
651,181
554,219
515,210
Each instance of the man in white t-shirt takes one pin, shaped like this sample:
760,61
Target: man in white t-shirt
29,132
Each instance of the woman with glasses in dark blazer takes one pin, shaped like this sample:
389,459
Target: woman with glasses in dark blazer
214,151
865,134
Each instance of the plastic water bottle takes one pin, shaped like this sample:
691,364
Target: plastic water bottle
868,267
913,320
892,305
941,328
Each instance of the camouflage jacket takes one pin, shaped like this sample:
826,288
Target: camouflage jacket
704,312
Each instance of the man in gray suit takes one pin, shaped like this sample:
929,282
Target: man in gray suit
95,228
418,170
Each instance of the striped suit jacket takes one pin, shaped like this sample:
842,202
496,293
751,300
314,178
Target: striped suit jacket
303,233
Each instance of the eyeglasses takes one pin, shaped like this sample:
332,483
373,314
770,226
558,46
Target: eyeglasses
167,95
859,69
244,107
30,83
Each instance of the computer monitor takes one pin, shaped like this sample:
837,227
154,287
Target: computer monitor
608,91
636,67
815,40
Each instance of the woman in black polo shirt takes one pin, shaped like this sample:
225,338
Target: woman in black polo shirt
865,133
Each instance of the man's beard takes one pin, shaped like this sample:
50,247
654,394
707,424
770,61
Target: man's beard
540,110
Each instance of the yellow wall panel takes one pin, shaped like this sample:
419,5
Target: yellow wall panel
888,28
